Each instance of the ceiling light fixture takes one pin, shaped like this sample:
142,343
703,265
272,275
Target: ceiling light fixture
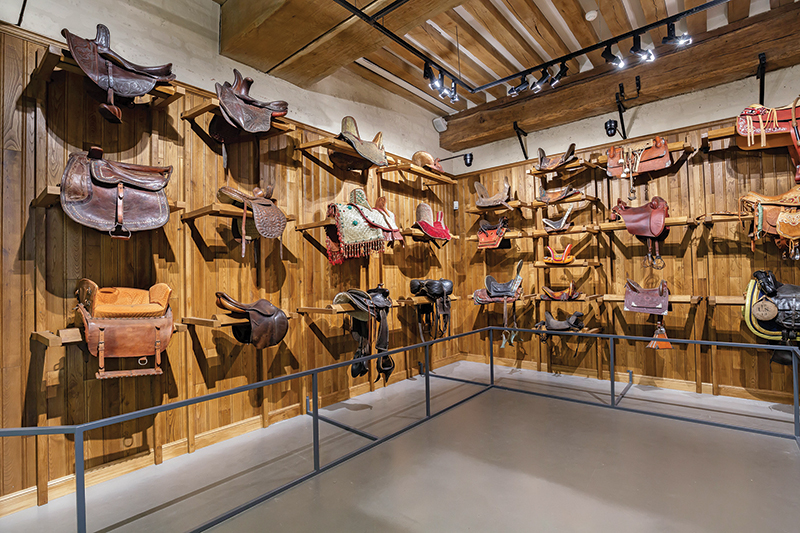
454,93
612,59
427,72
544,79
562,71
437,84
647,56
677,40
523,86
591,15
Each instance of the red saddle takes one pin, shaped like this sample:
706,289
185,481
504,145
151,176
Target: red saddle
774,127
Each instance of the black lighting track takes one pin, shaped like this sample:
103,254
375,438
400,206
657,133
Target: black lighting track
373,21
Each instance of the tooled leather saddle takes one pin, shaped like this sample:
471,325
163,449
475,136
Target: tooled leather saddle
433,317
646,222
267,324
502,197
775,216
113,73
118,198
634,159
491,235
508,292
653,301
267,219
120,322
774,127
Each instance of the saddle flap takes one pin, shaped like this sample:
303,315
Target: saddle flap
787,224
127,337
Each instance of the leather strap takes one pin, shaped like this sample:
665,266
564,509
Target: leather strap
101,348
243,235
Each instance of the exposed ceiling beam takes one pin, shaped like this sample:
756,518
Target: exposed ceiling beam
575,17
501,29
697,23
382,82
721,56
613,12
655,10
738,10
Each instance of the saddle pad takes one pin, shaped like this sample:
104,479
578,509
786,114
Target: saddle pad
351,236
491,235
651,301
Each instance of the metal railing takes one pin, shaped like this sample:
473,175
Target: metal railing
79,430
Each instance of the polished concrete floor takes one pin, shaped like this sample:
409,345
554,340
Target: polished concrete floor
503,461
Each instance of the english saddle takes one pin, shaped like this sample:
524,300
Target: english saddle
113,73
508,292
351,235
267,324
121,322
554,226
118,198
268,220
434,230
573,323
370,306
551,197
646,222
433,317
775,216
775,127
371,152
634,159
491,235
502,197
426,160
772,311
571,293
552,164
653,301
563,258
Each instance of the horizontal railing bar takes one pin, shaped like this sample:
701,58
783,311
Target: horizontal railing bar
37,430
340,425
460,380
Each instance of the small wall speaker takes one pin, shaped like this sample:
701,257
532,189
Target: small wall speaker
440,124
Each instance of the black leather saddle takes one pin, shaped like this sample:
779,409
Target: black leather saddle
433,317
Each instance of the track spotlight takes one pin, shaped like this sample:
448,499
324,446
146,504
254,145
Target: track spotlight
523,86
437,84
562,71
544,79
609,56
677,40
647,56
427,72
454,93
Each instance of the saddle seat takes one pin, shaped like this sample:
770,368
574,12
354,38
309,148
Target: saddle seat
267,324
124,302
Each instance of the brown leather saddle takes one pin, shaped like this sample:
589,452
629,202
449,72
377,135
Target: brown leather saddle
561,224
118,198
631,160
267,324
571,293
553,164
502,197
427,161
774,127
491,235
550,197
112,73
120,322
508,292
646,222
371,152
268,220
775,216
653,301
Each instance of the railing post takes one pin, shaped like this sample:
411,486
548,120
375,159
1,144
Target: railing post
80,482
315,419
612,371
427,380
491,357
795,404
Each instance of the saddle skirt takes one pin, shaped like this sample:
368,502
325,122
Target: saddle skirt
634,159
653,301
118,198
267,324
491,235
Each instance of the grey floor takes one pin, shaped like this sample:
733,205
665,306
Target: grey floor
503,461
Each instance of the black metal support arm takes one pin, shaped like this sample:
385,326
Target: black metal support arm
520,134
760,74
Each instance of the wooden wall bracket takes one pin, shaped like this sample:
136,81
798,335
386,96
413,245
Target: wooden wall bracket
429,178
221,321
75,336
217,209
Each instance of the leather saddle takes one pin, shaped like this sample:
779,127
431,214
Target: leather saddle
553,164
563,258
427,161
502,197
268,324
777,217
653,301
491,235
371,152
507,292
573,323
120,322
268,220
563,223
772,311
774,127
370,306
113,73
378,217
434,229
634,159
571,293
647,222
433,317
118,198
550,197
241,111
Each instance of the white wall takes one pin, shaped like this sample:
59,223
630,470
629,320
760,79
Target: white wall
186,33
708,105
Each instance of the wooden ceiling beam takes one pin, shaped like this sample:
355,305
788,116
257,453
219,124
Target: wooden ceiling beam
427,36
697,23
778,3
720,56
613,12
501,29
399,51
469,38
573,14
392,87
738,10
532,18
353,39
655,10
411,75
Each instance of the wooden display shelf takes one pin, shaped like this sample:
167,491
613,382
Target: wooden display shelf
574,230
714,135
414,232
575,264
672,147
725,300
475,210
277,126
74,336
572,168
515,234
424,173
318,224
221,321
571,200
331,143
421,300
673,298
218,209
710,220
581,298
670,222
51,196
55,57
523,298
334,309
